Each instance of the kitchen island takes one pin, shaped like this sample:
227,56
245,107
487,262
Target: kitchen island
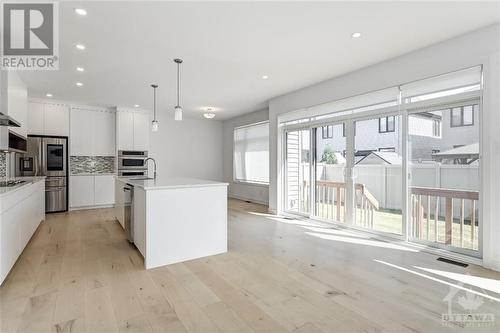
178,219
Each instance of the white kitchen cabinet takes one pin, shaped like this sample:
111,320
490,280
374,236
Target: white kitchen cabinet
81,133
87,191
35,118
18,102
92,132
142,130
20,214
81,191
133,130
125,130
56,120
103,132
48,119
104,190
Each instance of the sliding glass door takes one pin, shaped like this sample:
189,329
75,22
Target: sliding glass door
404,161
329,176
378,174
444,167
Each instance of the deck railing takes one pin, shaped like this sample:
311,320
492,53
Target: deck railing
330,199
427,215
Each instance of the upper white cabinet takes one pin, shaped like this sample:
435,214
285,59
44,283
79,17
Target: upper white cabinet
92,132
48,119
17,102
133,130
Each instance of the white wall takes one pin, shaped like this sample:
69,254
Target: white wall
475,48
189,148
251,192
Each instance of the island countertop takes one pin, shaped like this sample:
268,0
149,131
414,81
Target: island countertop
161,183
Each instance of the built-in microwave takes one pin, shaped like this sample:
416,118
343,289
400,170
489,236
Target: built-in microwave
132,159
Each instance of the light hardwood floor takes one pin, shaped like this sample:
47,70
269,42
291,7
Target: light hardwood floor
79,274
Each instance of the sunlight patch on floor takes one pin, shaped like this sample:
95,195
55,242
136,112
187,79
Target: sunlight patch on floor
453,285
360,241
480,282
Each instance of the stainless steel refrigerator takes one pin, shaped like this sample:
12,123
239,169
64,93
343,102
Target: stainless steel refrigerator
48,156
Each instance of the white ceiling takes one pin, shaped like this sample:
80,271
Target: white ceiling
228,46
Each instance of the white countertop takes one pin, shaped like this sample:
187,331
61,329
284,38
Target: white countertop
29,181
161,183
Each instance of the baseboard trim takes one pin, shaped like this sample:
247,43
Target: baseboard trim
90,207
232,196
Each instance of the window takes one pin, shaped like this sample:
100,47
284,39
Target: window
436,128
463,116
386,124
251,153
388,149
327,132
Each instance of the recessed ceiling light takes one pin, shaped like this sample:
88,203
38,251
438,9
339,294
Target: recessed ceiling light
48,95
79,84
136,105
356,34
80,46
80,11
265,77
80,69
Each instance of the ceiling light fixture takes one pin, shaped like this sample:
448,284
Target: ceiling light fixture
265,77
80,11
178,108
154,123
356,34
79,84
80,69
136,105
80,46
48,95
209,114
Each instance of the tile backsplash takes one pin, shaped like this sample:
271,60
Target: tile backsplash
91,164
3,164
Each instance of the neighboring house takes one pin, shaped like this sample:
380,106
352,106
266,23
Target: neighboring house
430,133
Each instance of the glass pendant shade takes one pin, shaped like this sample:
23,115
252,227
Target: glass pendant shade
154,125
178,113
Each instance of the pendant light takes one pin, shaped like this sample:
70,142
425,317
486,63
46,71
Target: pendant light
154,123
178,108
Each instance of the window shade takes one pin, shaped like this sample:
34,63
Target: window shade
251,153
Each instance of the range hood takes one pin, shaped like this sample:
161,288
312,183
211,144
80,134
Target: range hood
8,121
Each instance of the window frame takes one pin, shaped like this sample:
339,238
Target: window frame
386,120
461,115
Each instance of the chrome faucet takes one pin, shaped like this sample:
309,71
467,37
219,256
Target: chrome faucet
154,162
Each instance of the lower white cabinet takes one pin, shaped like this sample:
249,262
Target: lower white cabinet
20,214
88,191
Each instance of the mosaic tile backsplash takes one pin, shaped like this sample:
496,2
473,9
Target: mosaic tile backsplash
91,164
3,164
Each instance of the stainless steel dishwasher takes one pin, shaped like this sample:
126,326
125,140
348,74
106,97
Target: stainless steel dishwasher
128,211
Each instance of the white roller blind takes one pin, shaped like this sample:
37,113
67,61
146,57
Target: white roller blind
251,153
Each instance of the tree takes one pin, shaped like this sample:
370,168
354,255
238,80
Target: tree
329,156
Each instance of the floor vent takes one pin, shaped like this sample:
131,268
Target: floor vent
453,262
248,201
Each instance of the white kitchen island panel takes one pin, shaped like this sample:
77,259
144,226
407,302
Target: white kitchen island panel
179,219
